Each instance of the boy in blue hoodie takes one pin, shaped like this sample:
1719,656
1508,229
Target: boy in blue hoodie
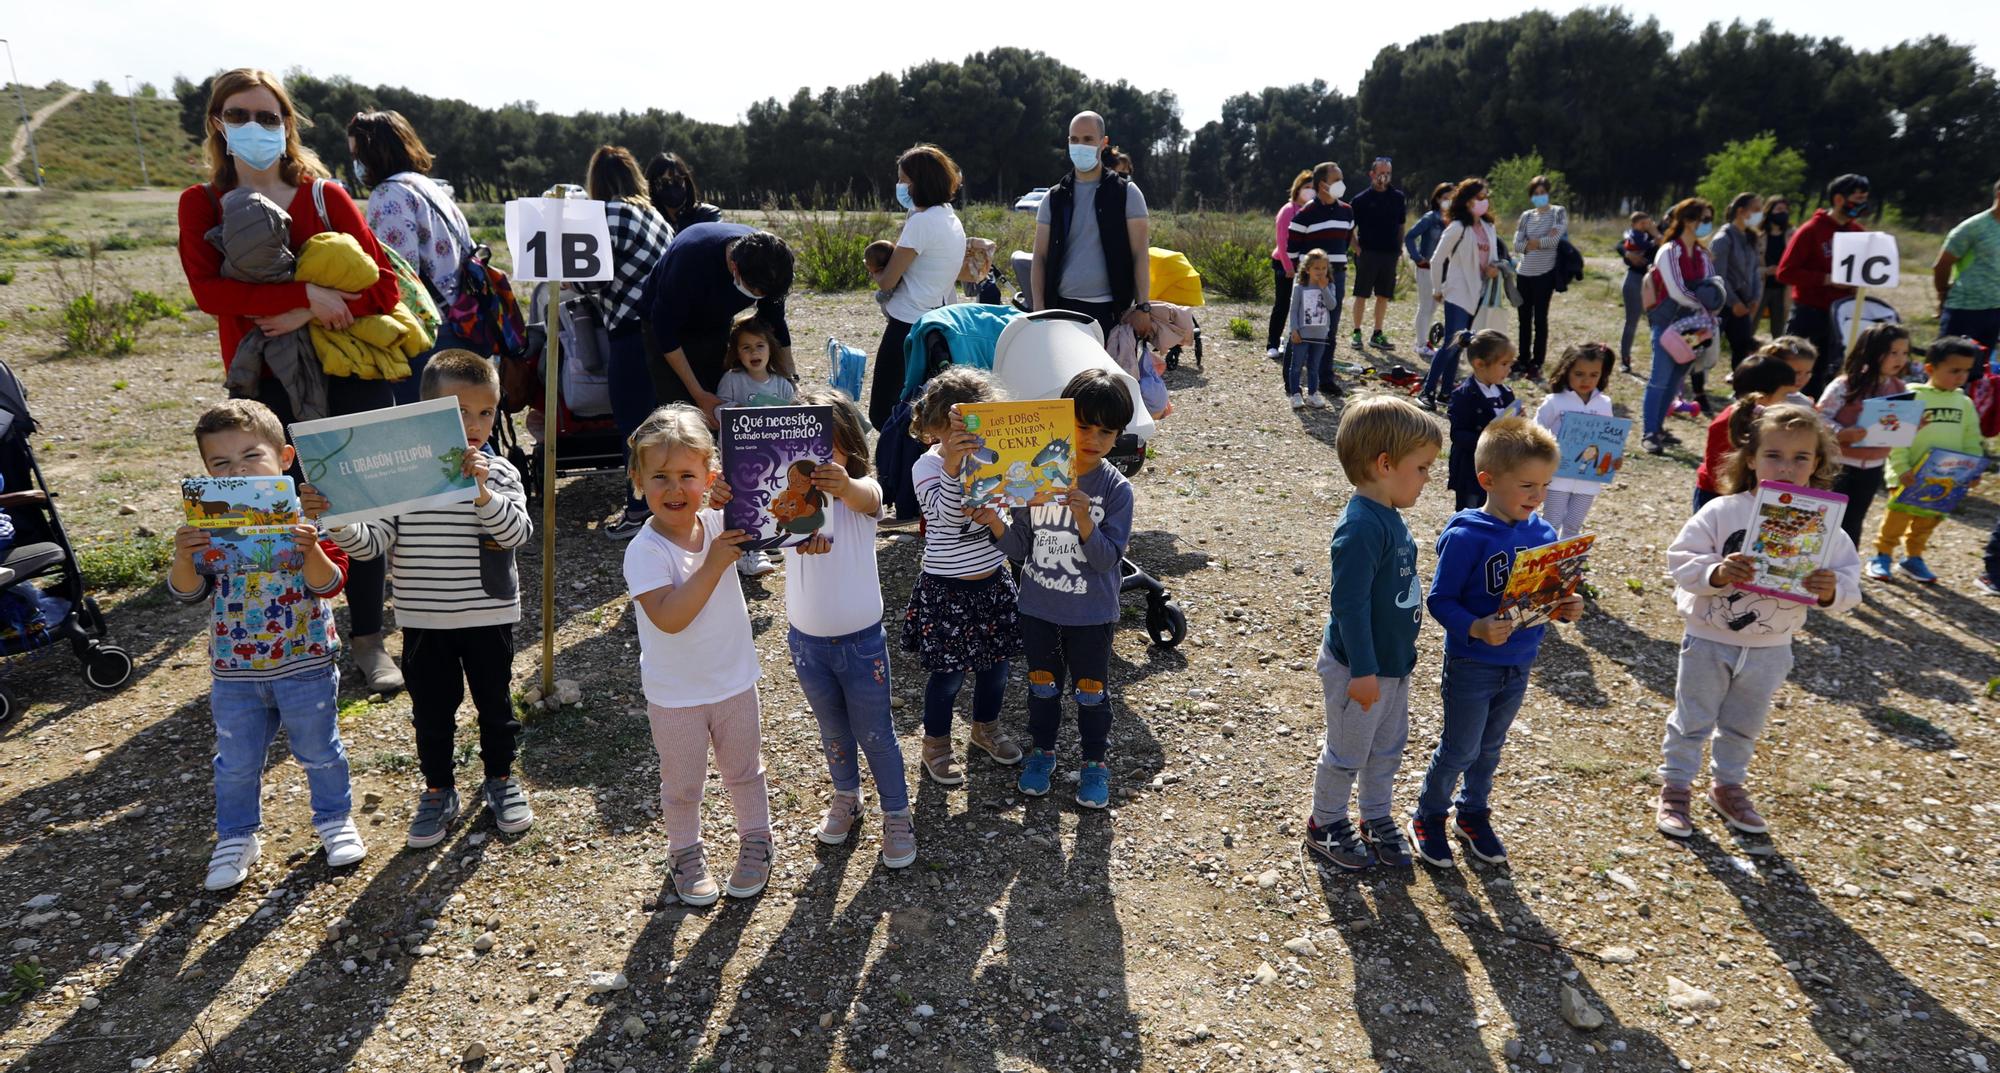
1486,657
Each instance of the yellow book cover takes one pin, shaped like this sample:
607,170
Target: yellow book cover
1024,454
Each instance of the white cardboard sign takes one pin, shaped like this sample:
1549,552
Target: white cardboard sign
558,239
1866,259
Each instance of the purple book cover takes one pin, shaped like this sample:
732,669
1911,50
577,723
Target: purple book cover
768,457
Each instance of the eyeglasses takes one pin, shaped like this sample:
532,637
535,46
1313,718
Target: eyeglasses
236,117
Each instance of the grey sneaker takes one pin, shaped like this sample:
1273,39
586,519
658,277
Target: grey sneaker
899,839
437,810
625,525
753,866
692,884
509,805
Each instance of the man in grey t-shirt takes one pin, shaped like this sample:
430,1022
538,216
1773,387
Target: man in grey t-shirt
1088,275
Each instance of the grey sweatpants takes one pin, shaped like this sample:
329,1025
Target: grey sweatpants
1721,699
1367,743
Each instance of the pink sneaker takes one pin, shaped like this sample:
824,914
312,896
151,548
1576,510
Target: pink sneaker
753,866
1733,802
841,816
1671,812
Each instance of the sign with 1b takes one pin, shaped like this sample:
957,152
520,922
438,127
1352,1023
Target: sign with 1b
563,239
1865,259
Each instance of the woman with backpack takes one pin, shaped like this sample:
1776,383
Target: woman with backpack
1466,257
1681,266
639,238
412,214
1537,237
252,142
671,187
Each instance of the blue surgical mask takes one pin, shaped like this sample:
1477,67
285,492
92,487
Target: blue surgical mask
1083,157
1756,219
1541,201
903,197
256,146
1857,210
1704,229
360,172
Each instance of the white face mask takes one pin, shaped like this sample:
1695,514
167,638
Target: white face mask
1756,219
1480,206
1338,188
746,292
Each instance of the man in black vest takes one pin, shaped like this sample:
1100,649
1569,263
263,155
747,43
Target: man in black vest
1091,237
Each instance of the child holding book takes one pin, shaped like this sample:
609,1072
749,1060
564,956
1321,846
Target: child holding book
1874,368
756,371
1579,375
1487,655
458,596
1314,309
1738,646
1764,379
963,615
1950,422
1477,402
1386,447
697,660
288,678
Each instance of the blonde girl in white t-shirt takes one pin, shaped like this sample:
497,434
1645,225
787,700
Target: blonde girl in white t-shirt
696,657
1578,386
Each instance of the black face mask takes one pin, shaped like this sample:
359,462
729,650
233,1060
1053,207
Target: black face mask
1779,219
674,196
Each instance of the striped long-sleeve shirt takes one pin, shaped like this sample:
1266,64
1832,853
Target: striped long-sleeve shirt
452,566
954,545
1322,226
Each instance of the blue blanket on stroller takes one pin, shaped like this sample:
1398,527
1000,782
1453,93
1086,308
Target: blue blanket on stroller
970,331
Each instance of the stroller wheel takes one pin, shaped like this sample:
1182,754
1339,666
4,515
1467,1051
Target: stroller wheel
1174,358
6,706
1165,623
107,667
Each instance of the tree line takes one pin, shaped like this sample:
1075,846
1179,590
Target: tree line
1628,119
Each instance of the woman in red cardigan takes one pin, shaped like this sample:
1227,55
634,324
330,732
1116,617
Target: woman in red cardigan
253,141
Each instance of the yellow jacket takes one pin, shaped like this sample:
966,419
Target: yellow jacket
376,347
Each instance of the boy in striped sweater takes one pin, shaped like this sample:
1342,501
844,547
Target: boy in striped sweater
458,596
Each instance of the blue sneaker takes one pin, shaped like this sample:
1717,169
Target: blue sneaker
1476,828
1427,835
1382,837
1338,845
1093,786
1915,567
1878,568
1035,773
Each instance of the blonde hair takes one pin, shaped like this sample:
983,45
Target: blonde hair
296,164
245,415
1379,425
675,425
1739,473
949,388
1511,442
1309,259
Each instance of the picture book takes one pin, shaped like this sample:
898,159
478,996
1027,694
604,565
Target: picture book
249,522
1593,446
1890,421
768,457
1791,538
1543,577
1024,453
1941,481
381,463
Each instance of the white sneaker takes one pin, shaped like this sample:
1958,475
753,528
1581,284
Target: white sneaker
1298,401
230,864
755,564
1313,400
343,842
1271,352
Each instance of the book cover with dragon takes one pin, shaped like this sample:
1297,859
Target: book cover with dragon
1024,454
249,522
385,462
768,457
1543,577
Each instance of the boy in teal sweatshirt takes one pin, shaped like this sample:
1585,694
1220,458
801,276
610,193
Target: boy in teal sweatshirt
1949,422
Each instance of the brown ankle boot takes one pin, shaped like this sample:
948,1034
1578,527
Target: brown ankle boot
989,737
940,763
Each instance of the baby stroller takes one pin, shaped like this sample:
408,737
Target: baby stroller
1173,279
42,549
1033,356
586,439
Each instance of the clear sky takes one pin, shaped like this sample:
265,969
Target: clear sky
717,59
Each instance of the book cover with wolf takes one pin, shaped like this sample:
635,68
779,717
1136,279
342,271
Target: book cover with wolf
249,522
768,457
1543,577
1024,453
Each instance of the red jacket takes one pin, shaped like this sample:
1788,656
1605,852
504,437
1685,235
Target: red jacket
235,303
1808,260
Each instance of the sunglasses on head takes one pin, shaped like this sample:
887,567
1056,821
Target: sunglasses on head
236,117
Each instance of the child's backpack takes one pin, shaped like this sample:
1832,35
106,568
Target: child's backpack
848,367
485,313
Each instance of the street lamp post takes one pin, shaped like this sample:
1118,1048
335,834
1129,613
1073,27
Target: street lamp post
34,157
132,105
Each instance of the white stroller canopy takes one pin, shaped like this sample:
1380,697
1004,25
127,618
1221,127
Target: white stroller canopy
1038,354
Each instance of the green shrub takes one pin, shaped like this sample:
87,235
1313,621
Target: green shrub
1230,250
122,241
1234,270
1509,178
1240,328
60,245
827,243
125,564
1756,164
6,275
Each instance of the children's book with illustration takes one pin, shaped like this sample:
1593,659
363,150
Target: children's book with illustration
1790,537
1593,446
768,457
1024,453
1941,481
1890,421
381,463
249,522
1543,577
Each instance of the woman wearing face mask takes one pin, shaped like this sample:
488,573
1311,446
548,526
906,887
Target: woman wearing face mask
1681,265
1282,265
253,143
1461,265
1776,231
1420,241
411,214
1325,223
639,238
1739,256
671,186
920,272
1541,228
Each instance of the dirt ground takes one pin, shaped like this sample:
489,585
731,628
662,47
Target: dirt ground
1178,931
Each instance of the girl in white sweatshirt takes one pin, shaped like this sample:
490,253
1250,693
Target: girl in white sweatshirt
1578,378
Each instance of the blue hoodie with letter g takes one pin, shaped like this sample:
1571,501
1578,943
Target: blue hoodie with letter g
1475,557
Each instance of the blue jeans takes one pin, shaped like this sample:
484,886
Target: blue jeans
1664,383
1443,374
1302,362
1338,277
632,395
846,681
989,689
1480,702
247,716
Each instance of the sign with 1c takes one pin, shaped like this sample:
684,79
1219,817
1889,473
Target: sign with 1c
563,239
1863,259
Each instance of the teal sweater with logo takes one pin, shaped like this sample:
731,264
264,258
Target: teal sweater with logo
1377,598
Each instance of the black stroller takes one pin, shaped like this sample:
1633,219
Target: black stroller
42,550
